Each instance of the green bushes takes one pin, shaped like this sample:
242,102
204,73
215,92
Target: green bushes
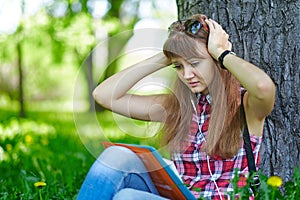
271,188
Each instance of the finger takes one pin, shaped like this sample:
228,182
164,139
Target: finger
215,24
210,24
213,21
226,35
229,45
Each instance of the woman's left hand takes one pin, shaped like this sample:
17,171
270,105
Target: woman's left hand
217,40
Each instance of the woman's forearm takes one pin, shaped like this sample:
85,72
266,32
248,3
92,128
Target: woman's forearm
259,86
119,84
256,81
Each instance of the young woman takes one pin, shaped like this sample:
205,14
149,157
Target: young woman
202,118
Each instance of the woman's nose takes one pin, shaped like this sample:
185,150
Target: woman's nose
188,72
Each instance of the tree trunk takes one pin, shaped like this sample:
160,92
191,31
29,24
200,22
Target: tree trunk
266,33
115,45
89,77
20,69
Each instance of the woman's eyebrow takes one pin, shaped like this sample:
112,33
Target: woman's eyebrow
173,61
193,59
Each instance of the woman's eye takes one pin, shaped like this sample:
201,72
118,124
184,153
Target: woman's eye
177,66
195,64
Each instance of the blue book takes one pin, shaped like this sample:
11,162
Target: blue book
162,172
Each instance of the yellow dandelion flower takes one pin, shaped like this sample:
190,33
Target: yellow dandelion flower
274,181
28,139
39,184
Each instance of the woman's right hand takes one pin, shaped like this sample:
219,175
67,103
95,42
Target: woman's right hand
113,94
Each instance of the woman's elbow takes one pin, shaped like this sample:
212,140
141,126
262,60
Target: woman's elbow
100,98
266,90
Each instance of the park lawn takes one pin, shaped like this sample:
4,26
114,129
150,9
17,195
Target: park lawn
45,157
46,149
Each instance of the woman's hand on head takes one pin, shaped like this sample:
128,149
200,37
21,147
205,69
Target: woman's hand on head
217,40
163,59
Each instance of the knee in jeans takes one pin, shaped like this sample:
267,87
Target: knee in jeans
132,194
121,158
125,194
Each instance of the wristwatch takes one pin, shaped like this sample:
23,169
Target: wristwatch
222,56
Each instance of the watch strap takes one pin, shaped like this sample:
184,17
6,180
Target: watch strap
222,56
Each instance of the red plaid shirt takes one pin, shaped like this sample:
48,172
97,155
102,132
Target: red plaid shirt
192,164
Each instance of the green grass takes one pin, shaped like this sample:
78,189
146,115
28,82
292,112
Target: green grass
49,147
42,147
58,148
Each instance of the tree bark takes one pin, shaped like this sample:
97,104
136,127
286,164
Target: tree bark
266,33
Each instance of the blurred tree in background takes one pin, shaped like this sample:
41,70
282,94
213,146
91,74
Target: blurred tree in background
47,54
42,45
41,57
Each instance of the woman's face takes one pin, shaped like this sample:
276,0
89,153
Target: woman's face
196,73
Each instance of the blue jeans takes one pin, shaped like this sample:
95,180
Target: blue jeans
118,173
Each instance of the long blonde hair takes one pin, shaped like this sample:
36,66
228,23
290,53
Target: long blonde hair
223,138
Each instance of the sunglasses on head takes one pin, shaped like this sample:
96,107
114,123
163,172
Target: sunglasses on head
191,26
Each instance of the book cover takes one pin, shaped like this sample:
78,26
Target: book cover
165,179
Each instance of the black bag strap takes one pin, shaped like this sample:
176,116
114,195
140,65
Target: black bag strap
249,153
248,148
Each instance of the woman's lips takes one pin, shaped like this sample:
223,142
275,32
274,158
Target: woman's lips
193,83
